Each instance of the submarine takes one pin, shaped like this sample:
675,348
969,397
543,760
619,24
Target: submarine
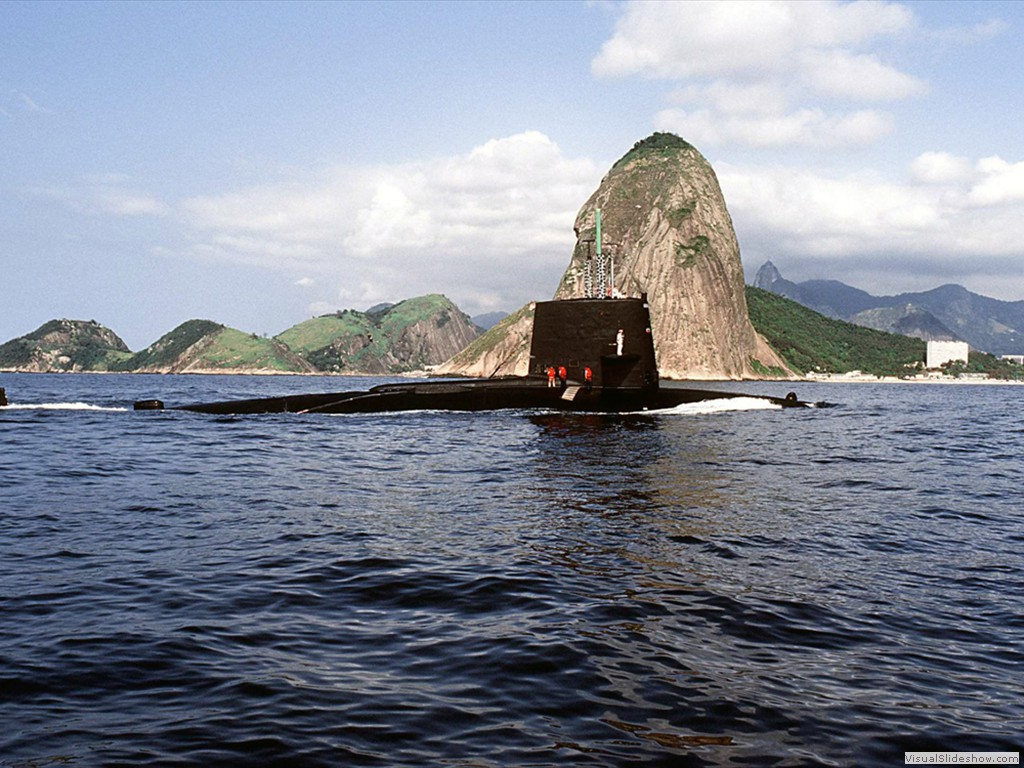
586,354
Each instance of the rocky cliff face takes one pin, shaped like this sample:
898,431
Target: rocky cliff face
504,350
668,233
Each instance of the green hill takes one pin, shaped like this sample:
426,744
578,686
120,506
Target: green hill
390,338
810,342
169,347
320,332
411,335
203,346
65,345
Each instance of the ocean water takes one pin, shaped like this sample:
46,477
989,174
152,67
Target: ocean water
706,586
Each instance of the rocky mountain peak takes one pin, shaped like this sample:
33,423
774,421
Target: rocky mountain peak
667,230
667,233
767,276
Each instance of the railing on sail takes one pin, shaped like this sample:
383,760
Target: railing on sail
605,284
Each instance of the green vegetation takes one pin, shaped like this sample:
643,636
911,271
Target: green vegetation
491,339
388,338
657,144
770,371
229,348
95,355
206,345
170,346
65,345
810,342
686,253
372,341
16,353
412,311
320,332
984,363
677,216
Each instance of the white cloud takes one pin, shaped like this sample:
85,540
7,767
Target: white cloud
734,98
122,202
492,227
111,194
753,38
766,73
999,183
290,211
861,77
940,168
811,128
947,216
988,183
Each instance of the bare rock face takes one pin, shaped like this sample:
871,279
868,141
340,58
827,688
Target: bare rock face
668,233
429,341
504,350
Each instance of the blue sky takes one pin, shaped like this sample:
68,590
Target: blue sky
260,163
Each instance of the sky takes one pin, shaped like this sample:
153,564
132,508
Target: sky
260,163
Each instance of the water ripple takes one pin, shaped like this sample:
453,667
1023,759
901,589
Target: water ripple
750,587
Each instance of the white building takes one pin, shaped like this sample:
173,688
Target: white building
940,352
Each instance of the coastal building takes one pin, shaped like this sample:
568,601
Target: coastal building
942,352
1018,359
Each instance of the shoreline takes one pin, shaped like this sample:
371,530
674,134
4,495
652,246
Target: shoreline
831,378
861,378
238,372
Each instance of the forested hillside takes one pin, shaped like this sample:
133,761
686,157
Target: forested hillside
810,342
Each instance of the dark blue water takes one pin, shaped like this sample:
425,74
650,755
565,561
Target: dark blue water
749,587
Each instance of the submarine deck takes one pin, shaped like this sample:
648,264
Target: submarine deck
471,395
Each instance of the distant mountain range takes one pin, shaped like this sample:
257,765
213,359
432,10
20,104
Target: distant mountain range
388,338
949,312
488,320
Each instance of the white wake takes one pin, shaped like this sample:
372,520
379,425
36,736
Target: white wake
59,407
722,405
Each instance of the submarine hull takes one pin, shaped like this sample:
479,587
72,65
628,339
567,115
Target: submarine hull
592,355
471,395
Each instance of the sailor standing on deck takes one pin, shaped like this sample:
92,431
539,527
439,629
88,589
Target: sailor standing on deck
619,338
551,375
